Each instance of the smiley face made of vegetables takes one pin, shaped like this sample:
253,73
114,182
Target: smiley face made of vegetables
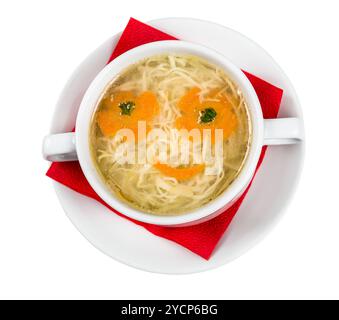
125,110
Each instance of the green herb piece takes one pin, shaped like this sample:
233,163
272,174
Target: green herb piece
207,115
127,107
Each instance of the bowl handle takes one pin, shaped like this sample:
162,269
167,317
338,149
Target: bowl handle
283,131
59,147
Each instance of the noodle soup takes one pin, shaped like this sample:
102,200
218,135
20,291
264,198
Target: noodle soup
170,134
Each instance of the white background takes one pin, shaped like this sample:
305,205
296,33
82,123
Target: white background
41,253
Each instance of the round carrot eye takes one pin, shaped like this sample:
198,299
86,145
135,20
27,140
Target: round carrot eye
212,112
125,110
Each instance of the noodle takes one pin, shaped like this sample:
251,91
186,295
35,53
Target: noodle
170,77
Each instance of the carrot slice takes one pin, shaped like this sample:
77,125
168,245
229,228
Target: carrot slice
146,106
191,108
180,173
190,101
108,124
110,119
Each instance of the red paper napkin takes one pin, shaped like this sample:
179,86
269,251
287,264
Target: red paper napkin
202,238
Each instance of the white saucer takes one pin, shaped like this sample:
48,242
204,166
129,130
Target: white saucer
265,203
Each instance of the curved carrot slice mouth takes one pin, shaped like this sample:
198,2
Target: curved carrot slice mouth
179,173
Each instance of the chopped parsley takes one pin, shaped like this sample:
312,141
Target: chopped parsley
207,115
127,107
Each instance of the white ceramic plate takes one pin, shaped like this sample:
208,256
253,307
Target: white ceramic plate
265,203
